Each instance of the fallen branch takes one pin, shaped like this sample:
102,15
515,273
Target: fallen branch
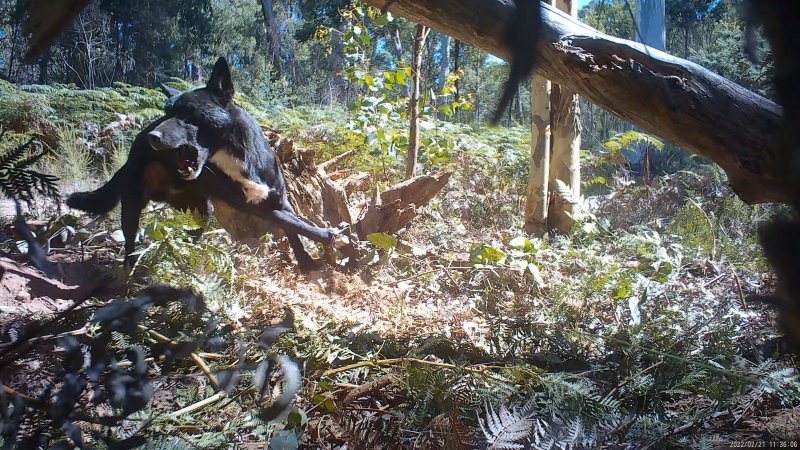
212,379
201,404
673,98
336,160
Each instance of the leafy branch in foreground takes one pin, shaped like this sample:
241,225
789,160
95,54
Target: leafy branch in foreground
100,385
18,180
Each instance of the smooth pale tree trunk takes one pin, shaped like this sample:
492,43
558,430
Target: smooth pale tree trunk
565,164
566,146
650,31
397,46
444,61
413,102
539,170
650,23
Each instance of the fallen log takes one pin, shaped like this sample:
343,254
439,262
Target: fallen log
673,98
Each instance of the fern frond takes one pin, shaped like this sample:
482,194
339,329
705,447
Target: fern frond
18,181
505,429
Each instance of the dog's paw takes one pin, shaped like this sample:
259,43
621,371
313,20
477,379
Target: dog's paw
342,236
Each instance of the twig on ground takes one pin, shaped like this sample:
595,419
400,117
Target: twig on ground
195,357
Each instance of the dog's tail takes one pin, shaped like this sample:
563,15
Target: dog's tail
100,200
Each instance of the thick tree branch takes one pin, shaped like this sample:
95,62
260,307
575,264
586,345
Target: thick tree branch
675,99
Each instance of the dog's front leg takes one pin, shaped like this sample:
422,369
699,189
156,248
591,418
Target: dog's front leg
290,223
132,205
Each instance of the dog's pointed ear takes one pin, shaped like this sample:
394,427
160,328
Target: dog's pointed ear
221,83
169,91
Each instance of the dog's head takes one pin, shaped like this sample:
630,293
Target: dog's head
197,121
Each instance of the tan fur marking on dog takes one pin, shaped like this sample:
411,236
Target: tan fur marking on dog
253,192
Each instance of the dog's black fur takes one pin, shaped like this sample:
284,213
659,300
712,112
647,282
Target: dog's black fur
215,151
147,175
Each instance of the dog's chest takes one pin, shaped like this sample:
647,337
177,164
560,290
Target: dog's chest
254,192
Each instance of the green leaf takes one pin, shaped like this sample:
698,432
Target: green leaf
382,240
381,20
369,80
447,110
486,254
521,242
296,420
400,76
365,39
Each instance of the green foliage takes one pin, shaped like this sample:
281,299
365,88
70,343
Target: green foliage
613,155
609,16
20,109
725,55
72,161
380,113
175,257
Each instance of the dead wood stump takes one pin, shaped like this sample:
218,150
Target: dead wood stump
325,202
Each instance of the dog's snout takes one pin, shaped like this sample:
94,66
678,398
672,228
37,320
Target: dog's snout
156,139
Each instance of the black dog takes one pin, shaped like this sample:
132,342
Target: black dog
147,175
204,128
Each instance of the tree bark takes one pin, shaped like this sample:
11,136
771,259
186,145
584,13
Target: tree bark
675,99
413,102
536,200
565,162
273,36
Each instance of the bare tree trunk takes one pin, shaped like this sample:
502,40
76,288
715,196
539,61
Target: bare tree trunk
273,36
336,64
650,23
444,61
13,53
398,45
565,164
651,31
413,103
44,63
539,169
566,146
